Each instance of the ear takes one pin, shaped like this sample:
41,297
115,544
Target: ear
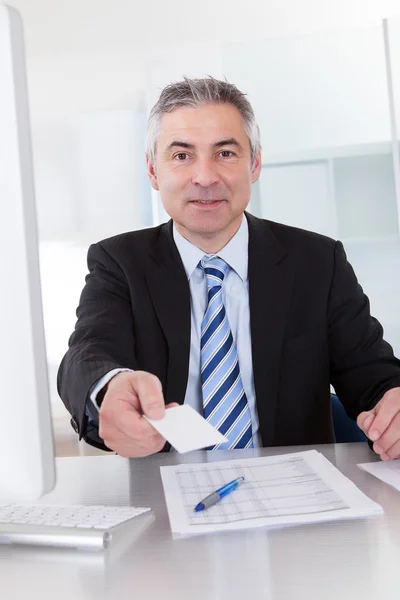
151,173
256,168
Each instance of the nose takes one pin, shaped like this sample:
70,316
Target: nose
205,173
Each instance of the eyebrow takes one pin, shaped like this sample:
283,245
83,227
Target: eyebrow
178,144
227,142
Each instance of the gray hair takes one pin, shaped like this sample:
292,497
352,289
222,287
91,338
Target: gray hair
195,92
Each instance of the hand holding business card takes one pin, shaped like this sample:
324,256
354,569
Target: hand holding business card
186,430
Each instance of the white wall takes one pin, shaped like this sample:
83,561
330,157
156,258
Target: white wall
365,197
377,266
394,41
394,37
63,269
318,91
111,171
300,195
56,174
73,102
87,27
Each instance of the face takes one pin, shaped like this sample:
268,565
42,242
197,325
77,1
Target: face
204,173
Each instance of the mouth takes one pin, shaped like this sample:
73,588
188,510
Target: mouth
206,202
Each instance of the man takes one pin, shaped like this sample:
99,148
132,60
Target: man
247,320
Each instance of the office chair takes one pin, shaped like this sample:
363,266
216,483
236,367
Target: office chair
346,430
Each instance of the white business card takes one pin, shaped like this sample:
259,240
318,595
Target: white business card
186,430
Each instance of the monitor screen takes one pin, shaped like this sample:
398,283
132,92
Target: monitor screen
26,446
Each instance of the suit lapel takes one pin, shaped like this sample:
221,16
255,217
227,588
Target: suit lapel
170,293
270,283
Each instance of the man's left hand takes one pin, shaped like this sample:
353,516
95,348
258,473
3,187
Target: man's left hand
382,425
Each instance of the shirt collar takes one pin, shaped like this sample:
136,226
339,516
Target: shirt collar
235,253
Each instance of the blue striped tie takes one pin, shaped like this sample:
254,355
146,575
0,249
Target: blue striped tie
225,403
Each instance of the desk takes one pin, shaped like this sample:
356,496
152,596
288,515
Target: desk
349,560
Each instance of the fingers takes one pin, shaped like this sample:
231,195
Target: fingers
392,452
142,390
125,419
385,410
127,447
375,422
149,392
388,442
130,435
121,425
364,420
382,425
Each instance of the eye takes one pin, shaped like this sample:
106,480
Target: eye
226,153
181,156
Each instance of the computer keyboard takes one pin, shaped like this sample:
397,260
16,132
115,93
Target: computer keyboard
90,527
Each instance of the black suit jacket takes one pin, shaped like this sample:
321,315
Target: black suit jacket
310,326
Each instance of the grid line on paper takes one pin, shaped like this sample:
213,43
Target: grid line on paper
265,493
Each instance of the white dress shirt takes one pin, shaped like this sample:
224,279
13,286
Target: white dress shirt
235,290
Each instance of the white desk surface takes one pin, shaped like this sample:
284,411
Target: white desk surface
348,560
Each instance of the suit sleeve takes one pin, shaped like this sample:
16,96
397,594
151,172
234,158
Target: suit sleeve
363,366
103,339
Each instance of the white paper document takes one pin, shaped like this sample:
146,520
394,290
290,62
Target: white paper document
387,471
303,487
186,430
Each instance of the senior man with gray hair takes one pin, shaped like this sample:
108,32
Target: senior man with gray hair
246,320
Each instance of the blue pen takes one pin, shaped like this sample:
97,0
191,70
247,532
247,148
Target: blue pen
218,495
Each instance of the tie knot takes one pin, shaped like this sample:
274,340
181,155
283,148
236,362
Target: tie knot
215,269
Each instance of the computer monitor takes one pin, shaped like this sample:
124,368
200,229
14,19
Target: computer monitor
27,467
